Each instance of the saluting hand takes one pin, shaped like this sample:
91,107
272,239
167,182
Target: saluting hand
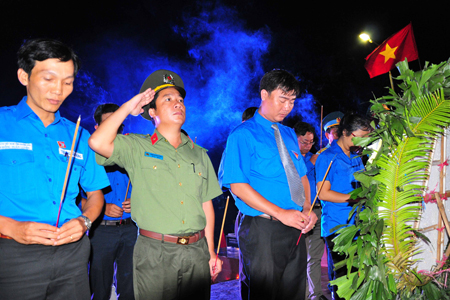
140,100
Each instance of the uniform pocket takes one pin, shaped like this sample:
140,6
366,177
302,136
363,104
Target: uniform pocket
267,163
156,173
18,174
196,177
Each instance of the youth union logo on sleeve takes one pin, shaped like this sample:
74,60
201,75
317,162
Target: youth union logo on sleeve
16,145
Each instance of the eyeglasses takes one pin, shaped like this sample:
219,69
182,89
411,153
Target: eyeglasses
307,143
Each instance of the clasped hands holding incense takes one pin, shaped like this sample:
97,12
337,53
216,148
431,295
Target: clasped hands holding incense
298,219
27,232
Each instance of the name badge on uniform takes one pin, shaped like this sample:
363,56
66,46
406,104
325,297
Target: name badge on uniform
67,153
154,155
16,145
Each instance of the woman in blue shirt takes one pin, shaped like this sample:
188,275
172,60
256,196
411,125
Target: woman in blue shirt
339,183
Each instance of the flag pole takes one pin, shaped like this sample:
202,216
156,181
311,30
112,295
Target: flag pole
390,79
321,120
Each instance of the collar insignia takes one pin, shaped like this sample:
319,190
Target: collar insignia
191,142
154,138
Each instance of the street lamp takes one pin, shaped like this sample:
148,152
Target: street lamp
365,37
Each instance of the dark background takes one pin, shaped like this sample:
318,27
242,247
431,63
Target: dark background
221,49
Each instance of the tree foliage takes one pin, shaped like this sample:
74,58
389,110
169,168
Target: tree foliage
406,127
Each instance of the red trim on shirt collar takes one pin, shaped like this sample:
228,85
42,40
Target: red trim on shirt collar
191,142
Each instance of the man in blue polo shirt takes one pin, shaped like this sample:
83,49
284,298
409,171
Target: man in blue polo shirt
315,244
114,236
40,259
268,176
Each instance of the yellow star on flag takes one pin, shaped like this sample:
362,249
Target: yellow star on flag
388,53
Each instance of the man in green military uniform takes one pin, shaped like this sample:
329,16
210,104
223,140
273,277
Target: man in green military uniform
173,184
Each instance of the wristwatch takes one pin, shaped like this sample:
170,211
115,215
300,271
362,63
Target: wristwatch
87,222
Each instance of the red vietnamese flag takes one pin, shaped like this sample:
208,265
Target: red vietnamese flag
396,48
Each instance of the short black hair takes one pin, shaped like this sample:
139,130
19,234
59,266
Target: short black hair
152,104
301,128
105,109
352,122
249,113
279,79
42,49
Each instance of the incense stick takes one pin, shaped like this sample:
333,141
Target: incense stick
68,169
221,231
317,194
126,194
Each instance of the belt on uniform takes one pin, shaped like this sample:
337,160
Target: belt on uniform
181,240
116,223
266,216
5,237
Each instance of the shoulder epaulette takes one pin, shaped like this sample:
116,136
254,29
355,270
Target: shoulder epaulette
141,135
321,150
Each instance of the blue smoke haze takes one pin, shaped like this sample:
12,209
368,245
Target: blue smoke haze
221,72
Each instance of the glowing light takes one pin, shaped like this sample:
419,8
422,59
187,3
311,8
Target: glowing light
365,37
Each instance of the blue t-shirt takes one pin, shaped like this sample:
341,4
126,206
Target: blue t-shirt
118,179
252,157
220,171
342,180
33,163
311,174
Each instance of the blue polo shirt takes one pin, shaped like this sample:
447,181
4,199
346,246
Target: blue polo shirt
220,171
33,163
342,180
311,174
118,179
252,157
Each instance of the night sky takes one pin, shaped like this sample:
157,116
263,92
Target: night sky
221,50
